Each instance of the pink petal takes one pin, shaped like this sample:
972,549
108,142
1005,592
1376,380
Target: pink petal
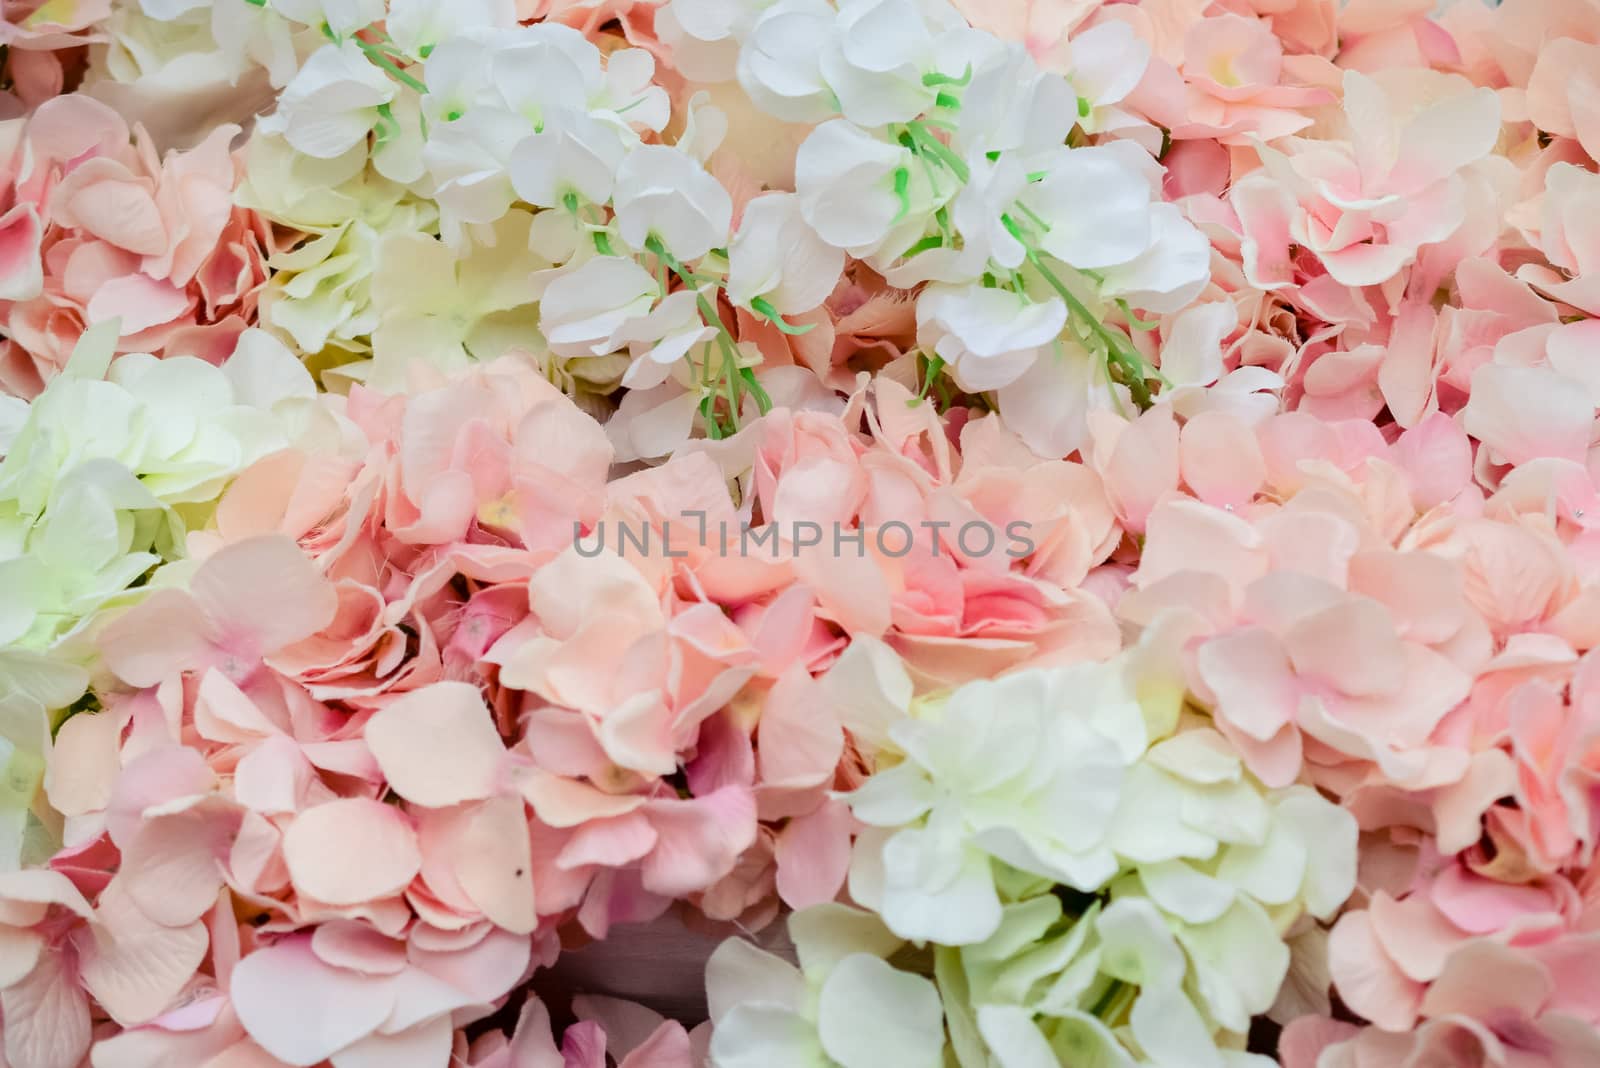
1351,646
700,840
133,966
264,592
350,851
438,745
164,634
299,1009
426,1043
21,270
609,843
1523,413
1367,979
1249,672
813,855
173,866
495,866
354,946
1437,459
1221,460
138,301
667,1047
483,972
798,740
47,1018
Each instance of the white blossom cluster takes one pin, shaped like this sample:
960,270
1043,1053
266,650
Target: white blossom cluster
946,160
942,155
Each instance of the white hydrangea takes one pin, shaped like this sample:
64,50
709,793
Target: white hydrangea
845,1006
87,506
989,798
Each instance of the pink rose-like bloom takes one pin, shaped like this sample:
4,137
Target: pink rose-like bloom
1367,205
96,227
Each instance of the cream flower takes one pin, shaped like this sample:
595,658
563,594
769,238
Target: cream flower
666,194
332,104
845,1005
778,258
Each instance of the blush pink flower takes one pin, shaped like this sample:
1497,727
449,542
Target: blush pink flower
1367,205
97,227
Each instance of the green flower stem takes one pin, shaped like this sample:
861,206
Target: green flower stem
734,378
926,143
383,59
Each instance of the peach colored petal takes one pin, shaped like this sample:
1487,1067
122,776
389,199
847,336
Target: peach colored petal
133,966
437,745
813,855
349,851
299,1009
47,1018
798,740
354,946
495,865
1366,979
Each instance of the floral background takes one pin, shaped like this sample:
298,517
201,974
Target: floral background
342,339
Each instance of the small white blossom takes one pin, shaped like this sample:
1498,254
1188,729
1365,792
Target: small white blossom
777,256
664,193
332,104
986,337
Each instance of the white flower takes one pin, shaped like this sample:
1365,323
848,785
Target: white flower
582,310
629,99
446,307
542,70
332,104
664,193
882,49
469,160
1096,206
418,26
1011,104
660,340
260,35
574,153
704,35
342,17
986,337
1107,62
844,1006
780,65
1170,273
1002,770
1048,404
847,179
777,256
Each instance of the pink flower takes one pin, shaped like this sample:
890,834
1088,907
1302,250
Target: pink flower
96,228
1366,206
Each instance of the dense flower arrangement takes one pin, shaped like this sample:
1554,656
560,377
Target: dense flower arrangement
1044,532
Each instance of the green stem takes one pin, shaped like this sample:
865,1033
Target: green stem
382,59
923,137
734,377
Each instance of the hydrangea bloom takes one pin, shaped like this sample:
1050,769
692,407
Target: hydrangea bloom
684,533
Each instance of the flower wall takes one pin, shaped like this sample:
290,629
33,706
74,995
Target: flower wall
1042,533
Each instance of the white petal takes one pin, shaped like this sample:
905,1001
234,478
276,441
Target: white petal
870,1014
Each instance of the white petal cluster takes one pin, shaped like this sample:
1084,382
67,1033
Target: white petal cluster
940,155
845,1005
994,801
87,506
